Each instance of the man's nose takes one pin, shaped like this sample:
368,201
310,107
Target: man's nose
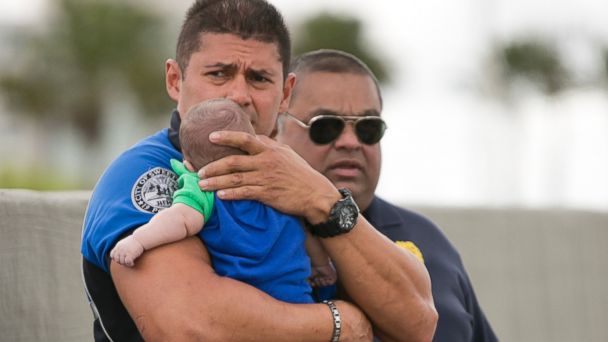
348,138
239,91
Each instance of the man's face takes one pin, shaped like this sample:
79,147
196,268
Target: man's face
248,72
346,162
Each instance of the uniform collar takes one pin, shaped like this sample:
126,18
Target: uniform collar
176,120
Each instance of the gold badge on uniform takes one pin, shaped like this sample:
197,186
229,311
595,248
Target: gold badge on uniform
410,246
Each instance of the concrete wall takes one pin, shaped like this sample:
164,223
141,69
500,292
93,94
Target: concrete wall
41,292
540,275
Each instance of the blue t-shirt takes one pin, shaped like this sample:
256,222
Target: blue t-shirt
247,240
258,245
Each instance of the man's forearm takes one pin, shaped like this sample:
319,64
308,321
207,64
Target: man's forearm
387,282
173,294
390,285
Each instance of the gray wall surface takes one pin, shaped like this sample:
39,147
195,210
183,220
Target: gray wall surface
41,293
540,275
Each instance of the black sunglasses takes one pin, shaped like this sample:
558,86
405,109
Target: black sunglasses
323,129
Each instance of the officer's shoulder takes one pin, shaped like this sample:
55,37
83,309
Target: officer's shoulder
153,150
405,214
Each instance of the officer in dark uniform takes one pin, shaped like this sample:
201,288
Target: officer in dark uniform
334,123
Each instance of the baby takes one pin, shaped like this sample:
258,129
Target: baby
247,240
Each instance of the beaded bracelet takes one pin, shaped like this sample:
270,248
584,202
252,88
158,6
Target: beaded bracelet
337,321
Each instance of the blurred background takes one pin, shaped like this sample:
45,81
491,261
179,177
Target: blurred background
488,102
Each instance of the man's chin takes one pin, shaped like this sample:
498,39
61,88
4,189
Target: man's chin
350,185
356,189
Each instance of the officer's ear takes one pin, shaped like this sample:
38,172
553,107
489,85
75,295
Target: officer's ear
288,85
173,79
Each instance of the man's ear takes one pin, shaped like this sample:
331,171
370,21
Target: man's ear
290,82
173,79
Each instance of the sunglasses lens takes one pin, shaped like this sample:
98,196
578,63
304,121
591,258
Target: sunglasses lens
325,130
370,131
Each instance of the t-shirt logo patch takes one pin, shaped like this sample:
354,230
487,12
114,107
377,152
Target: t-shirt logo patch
153,190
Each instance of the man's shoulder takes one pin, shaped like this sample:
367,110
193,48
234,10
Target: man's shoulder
136,185
391,214
402,224
142,171
153,146
153,151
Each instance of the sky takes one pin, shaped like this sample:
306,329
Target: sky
447,143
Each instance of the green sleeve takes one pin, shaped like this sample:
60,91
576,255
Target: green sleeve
189,192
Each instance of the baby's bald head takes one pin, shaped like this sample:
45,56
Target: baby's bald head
203,119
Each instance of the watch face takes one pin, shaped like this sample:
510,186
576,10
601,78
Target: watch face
342,217
348,217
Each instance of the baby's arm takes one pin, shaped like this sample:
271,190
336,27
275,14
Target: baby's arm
172,224
323,272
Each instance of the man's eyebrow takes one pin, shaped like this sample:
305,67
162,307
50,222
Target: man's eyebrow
370,112
261,72
233,66
221,65
320,111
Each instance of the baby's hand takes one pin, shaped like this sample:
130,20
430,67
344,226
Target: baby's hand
322,276
126,251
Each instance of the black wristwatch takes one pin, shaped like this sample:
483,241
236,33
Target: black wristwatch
342,217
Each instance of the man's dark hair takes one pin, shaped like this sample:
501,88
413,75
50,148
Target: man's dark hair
247,19
204,118
333,61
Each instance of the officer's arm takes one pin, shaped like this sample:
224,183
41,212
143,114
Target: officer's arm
173,294
388,283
